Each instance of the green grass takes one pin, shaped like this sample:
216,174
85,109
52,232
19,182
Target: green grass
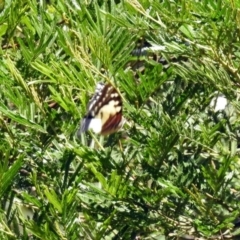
177,171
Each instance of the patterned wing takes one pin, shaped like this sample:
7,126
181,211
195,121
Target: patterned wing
104,111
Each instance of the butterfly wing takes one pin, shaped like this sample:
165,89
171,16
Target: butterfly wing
104,113
113,124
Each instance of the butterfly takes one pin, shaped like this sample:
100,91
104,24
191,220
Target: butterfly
104,111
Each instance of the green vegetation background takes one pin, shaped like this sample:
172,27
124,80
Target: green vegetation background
177,171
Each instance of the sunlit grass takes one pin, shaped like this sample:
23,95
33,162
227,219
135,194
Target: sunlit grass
171,171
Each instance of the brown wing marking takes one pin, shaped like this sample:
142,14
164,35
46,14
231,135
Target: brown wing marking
112,124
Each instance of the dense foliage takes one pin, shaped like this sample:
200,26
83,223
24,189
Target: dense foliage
172,171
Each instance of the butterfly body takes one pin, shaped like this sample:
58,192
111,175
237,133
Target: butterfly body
104,111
